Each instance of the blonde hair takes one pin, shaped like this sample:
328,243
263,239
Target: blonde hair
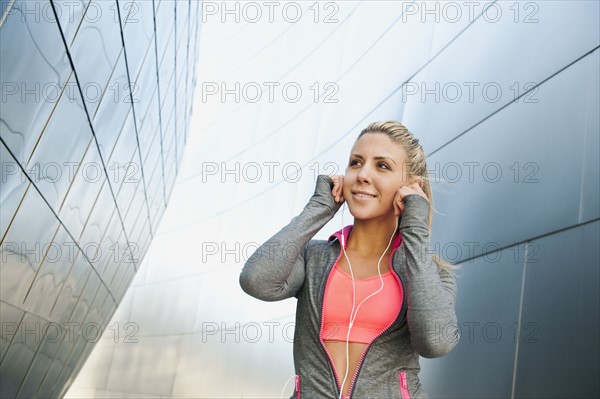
416,163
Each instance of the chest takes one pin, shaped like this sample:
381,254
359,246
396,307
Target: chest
364,267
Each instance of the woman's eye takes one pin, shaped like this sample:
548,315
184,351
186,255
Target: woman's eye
353,162
384,165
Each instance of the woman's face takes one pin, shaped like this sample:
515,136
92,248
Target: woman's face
376,170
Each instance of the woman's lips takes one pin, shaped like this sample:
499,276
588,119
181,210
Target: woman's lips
362,195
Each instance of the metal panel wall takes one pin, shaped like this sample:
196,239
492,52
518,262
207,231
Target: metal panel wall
504,99
80,198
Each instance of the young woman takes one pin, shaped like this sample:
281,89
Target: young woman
372,297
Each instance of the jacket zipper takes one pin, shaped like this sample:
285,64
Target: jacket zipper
297,386
360,361
337,380
403,385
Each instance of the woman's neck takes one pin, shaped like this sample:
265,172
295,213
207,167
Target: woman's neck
370,237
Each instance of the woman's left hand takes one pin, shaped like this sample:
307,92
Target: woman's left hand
414,188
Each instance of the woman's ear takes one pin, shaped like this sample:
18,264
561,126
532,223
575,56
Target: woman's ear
416,179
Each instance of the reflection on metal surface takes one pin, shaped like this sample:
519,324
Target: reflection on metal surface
83,190
199,336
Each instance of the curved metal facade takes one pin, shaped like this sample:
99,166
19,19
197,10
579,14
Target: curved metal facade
504,97
96,100
504,100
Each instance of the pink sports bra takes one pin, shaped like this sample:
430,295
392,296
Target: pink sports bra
373,316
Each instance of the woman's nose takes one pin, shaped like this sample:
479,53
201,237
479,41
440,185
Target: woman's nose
364,174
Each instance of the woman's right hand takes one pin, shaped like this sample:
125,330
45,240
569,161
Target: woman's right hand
336,192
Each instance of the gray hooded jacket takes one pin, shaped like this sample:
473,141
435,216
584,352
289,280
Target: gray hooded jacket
291,263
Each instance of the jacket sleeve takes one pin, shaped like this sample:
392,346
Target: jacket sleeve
431,291
275,270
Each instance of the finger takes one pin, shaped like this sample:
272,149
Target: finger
419,190
405,190
334,180
338,188
399,208
341,187
397,202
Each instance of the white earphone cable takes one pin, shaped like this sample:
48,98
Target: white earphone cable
287,382
354,312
